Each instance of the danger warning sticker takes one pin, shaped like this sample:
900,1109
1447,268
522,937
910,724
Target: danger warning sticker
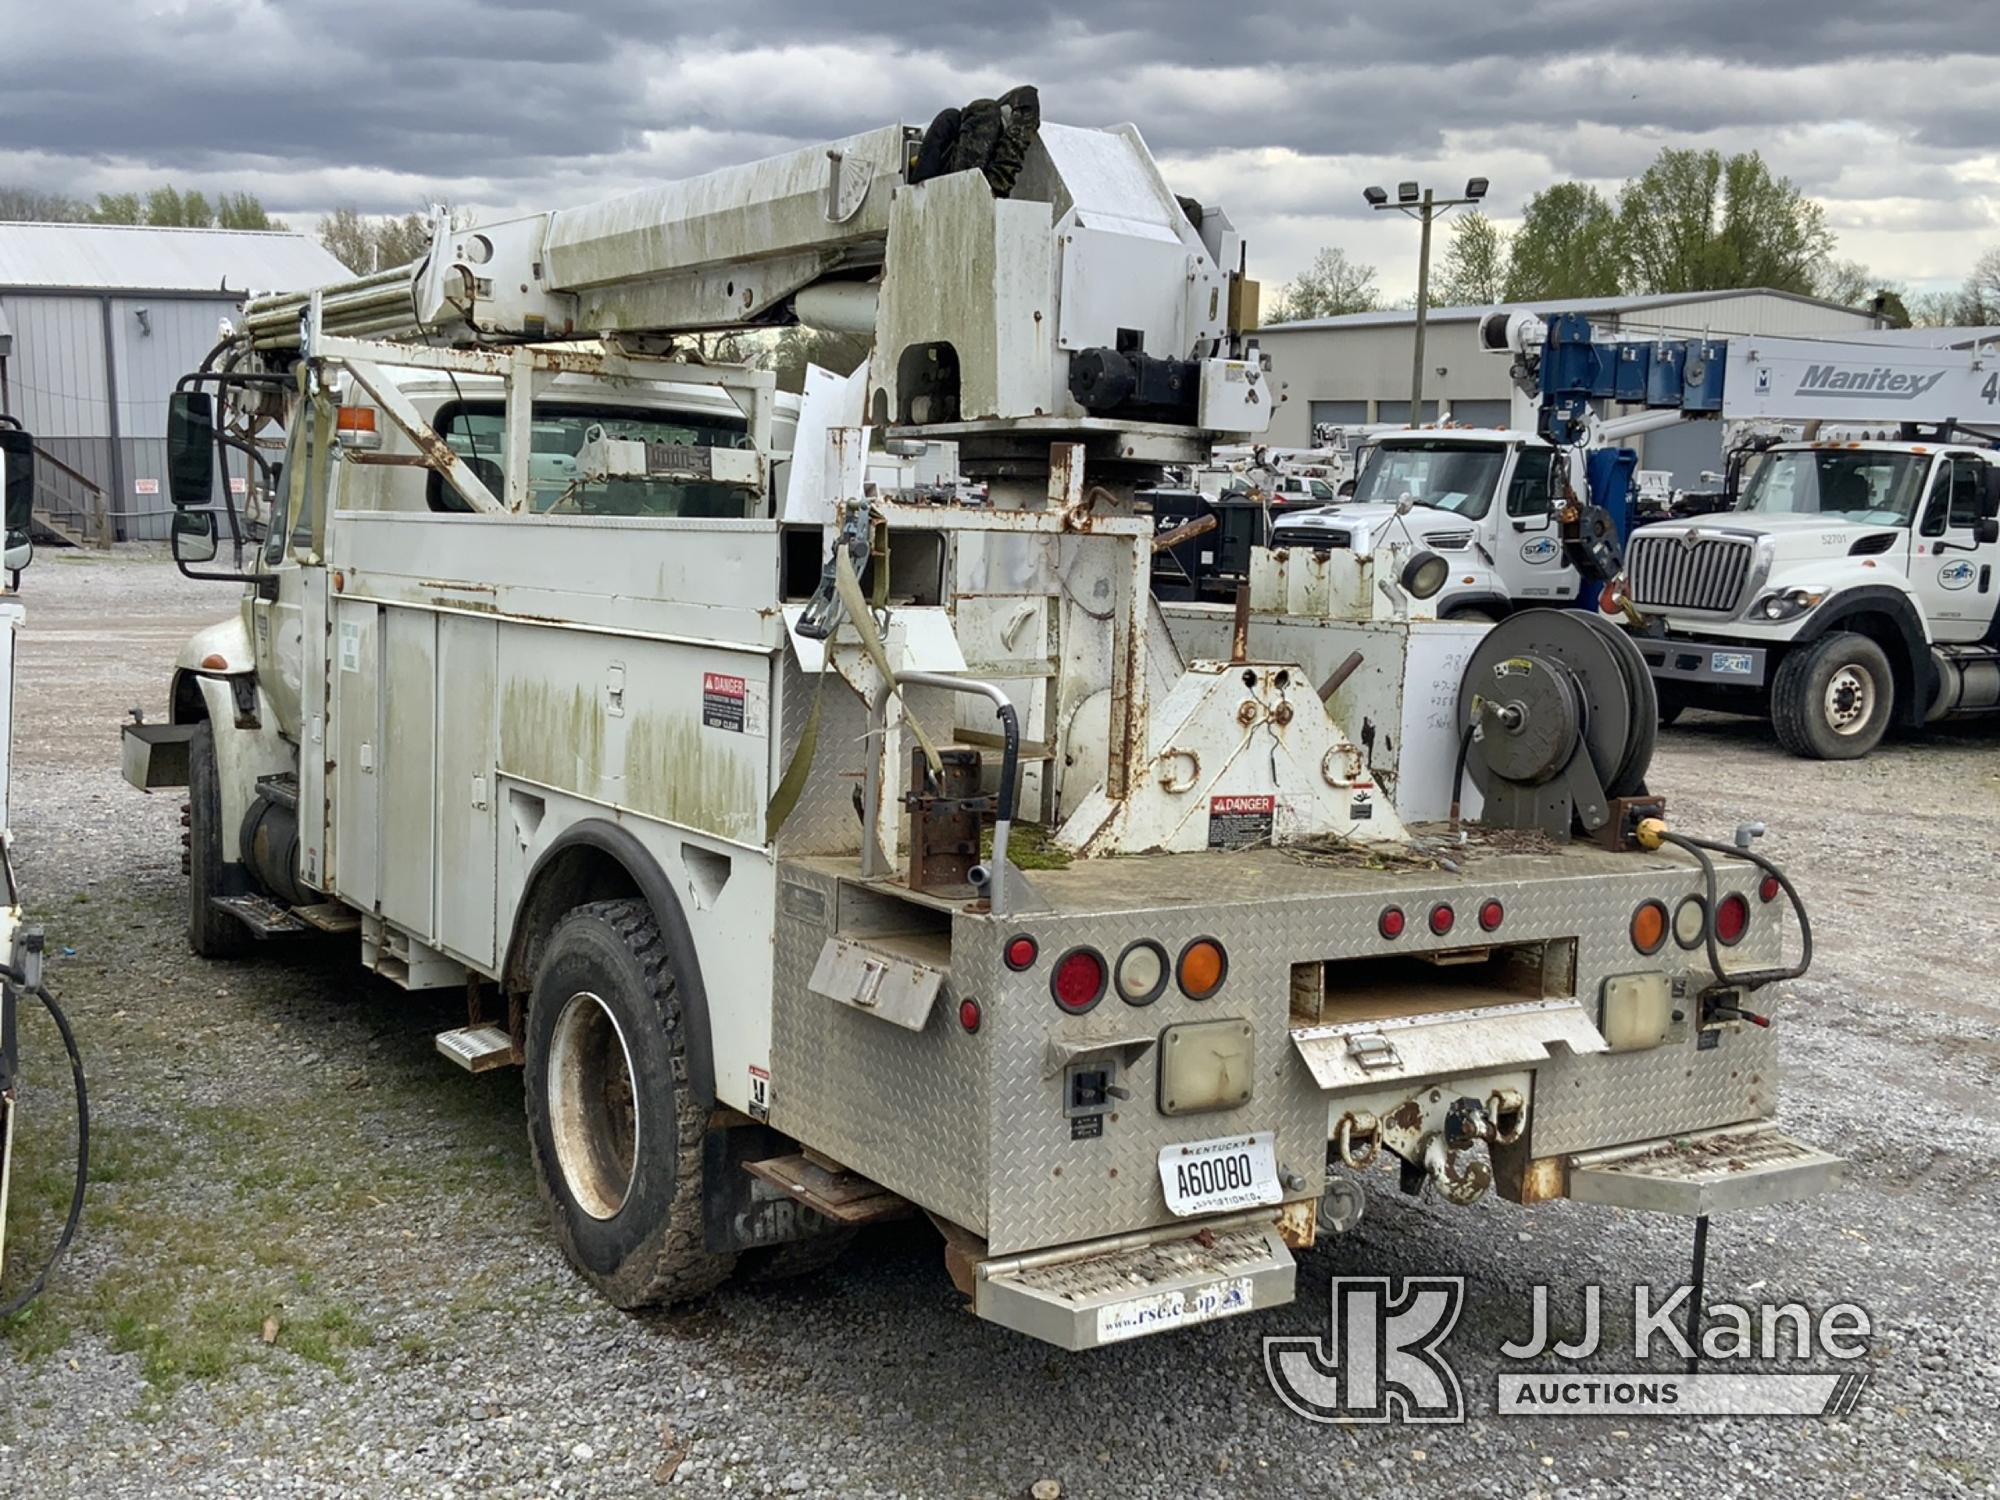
722,701
1239,822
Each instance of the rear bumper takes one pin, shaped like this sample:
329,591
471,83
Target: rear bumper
1709,663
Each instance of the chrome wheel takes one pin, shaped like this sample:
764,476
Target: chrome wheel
592,1116
1850,699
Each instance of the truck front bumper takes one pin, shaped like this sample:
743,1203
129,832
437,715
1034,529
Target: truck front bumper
1710,663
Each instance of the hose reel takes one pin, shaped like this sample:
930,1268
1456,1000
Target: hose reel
1562,719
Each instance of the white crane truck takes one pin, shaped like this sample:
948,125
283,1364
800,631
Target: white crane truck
681,760
1851,586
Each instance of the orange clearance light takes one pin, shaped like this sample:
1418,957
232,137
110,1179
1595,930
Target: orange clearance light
1202,968
354,427
214,663
1649,926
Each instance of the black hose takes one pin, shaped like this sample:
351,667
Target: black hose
1458,770
1010,760
1748,978
34,1290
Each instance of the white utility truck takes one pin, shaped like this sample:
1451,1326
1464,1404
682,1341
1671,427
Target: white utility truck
706,774
1851,586
1482,498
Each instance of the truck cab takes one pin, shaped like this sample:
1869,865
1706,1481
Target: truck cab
1850,588
1483,498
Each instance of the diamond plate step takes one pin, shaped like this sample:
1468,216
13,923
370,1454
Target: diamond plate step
477,1049
1711,1172
844,1197
1106,1292
263,916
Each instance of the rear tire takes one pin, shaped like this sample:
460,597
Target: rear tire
615,1132
1670,709
1833,699
211,933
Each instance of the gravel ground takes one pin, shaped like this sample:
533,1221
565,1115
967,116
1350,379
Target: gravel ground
313,1261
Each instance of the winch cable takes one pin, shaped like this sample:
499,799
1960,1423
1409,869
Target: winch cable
1749,978
41,992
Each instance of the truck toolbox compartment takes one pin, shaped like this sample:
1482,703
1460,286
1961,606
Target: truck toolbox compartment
1709,1172
1084,1296
156,755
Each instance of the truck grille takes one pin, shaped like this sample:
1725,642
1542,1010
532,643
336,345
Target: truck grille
1666,571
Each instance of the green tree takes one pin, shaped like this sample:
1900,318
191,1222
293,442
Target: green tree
168,208
1567,246
1475,267
1696,221
366,244
1331,285
797,347
119,208
243,211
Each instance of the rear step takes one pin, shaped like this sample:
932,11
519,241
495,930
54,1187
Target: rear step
330,916
1712,1172
263,916
844,1197
1104,1292
478,1049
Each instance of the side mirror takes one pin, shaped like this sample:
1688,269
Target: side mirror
1988,530
17,462
193,536
191,449
19,552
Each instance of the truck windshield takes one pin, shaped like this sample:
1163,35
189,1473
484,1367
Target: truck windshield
477,434
1458,477
1869,488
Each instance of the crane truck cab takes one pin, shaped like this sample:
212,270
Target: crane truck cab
1851,588
1483,498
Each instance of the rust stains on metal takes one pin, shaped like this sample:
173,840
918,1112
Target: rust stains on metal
1239,640
1341,673
1407,1117
1298,1224
1186,532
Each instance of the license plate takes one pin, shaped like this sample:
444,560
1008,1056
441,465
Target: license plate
1730,663
1212,1177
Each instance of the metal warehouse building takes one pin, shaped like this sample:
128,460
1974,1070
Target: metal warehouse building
1356,368
97,322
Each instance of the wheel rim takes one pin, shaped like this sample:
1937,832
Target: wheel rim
1850,699
593,1113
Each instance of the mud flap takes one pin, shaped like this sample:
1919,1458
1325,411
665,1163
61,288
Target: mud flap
1711,1172
1107,1291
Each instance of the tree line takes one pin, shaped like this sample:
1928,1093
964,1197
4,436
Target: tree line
164,207
1693,221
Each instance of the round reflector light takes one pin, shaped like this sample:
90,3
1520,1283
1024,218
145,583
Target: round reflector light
1491,915
1021,952
1649,926
1202,968
1768,888
1732,918
1390,923
1441,918
968,1014
1691,922
1141,972
1078,981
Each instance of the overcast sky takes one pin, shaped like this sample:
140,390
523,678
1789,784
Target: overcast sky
1888,110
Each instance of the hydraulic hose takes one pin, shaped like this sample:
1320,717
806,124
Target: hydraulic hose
1748,978
34,1288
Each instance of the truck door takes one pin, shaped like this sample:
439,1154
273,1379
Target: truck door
276,614
1527,551
1951,570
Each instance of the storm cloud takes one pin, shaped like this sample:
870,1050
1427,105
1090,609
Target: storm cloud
1281,111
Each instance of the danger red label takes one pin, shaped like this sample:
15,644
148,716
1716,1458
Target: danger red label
722,700
1238,822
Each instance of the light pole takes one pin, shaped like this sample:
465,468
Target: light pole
1421,204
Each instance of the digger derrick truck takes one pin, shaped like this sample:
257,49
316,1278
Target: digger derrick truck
1850,585
586,676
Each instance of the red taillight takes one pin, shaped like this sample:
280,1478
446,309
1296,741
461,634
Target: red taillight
1441,918
1732,919
1491,915
1390,923
1078,982
1768,888
968,1014
1020,953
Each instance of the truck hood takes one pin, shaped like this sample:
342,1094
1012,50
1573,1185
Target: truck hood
1791,538
1365,522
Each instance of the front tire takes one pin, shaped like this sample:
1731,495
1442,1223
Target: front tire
615,1132
211,933
1833,699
